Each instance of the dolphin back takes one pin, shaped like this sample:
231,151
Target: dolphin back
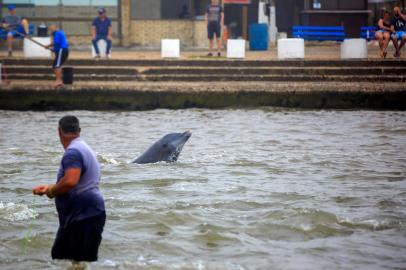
166,149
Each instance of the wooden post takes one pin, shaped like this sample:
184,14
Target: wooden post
245,22
125,9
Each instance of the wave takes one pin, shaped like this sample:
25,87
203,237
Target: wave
104,159
16,212
373,224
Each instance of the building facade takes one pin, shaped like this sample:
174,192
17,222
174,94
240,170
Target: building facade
144,23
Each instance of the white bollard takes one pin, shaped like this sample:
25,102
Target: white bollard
34,50
236,48
291,48
102,45
356,48
170,48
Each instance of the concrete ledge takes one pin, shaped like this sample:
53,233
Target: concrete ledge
180,96
211,63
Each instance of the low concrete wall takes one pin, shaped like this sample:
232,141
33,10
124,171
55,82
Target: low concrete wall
94,98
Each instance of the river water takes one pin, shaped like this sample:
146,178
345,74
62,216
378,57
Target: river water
253,189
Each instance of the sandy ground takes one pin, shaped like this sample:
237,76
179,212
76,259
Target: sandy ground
314,51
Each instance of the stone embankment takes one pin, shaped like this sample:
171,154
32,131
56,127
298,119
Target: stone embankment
149,84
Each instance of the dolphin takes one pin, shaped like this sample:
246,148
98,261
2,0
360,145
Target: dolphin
166,149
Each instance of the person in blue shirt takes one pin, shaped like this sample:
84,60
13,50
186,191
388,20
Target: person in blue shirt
399,23
78,199
102,30
13,24
60,47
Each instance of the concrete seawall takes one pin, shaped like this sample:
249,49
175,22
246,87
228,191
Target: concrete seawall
307,96
151,84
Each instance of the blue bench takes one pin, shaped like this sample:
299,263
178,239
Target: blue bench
368,32
319,33
3,32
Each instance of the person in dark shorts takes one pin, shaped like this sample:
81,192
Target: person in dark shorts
12,23
61,50
214,20
78,199
399,23
383,35
102,30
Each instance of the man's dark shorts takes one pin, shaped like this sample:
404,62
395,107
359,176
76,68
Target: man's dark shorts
213,28
60,57
80,240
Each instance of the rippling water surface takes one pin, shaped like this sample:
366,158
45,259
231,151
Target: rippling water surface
253,189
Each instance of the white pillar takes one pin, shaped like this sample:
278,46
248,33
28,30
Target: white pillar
262,18
273,29
356,48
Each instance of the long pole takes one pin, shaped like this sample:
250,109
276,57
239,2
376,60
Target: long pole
32,40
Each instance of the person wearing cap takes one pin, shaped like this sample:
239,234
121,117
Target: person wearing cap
12,23
102,30
60,47
78,199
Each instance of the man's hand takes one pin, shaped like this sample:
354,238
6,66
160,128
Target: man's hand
40,190
109,38
44,190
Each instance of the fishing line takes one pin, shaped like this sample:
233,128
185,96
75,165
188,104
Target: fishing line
28,234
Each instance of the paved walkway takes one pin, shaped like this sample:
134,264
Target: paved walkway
314,51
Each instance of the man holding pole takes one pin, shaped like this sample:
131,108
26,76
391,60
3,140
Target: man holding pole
61,50
215,21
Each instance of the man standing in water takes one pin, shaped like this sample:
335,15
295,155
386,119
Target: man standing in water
78,200
215,21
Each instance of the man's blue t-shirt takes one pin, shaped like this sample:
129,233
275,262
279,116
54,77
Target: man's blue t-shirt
60,40
102,27
399,23
13,21
85,199
214,13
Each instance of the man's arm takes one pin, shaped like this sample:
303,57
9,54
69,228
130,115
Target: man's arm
93,30
110,34
403,16
50,46
222,19
66,184
206,18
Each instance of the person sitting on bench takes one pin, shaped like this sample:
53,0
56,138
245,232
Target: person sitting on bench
383,35
11,23
102,30
399,25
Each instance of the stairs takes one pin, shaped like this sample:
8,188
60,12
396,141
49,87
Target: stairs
178,84
212,70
